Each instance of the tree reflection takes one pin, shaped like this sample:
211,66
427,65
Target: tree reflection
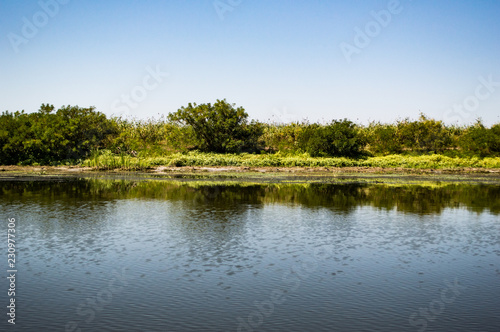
236,196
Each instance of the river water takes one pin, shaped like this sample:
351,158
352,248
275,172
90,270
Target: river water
132,255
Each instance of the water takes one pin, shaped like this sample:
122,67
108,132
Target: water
118,255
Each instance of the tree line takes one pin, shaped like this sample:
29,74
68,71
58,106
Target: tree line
71,133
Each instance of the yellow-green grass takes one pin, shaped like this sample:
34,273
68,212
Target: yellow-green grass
106,160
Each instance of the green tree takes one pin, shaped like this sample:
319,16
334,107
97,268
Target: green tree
383,138
47,137
339,138
220,127
481,141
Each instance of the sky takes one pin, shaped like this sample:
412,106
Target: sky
282,61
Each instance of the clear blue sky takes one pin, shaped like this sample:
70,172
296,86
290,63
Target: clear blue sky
280,60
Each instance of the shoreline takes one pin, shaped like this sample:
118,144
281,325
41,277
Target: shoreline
246,169
258,174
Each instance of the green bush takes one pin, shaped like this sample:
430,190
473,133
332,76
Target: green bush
220,127
283,137
424,135
481,141
340,138
383,138
46,137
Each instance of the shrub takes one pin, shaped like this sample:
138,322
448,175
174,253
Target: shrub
383,139
220,127
424,135
340,138
282,137
46,137
481,141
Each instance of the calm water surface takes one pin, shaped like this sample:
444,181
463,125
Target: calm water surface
116,255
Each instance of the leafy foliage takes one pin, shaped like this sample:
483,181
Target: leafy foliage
481,141
220,127
340,138
72,134
283,137
383,138
422,136
44,136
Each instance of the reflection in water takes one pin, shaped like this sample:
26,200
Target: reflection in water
195,256
340,197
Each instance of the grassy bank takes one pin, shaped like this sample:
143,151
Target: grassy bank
107,160
222,135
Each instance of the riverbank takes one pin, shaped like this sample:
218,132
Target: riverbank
227,174
42,170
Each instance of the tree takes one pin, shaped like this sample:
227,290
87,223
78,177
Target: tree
424,135
383,138
339,138
481,141
47,137
220,127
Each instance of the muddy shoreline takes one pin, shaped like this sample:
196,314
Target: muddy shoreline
190,169
258,174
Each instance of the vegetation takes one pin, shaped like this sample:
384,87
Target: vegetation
481,141
220,127
338,138
107,160
221,134
422,136
49,137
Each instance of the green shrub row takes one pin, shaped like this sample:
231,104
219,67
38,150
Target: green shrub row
73,134
49,137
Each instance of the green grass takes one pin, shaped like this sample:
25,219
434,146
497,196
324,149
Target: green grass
104,159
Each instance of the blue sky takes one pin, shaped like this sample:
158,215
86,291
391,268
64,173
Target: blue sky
281,60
